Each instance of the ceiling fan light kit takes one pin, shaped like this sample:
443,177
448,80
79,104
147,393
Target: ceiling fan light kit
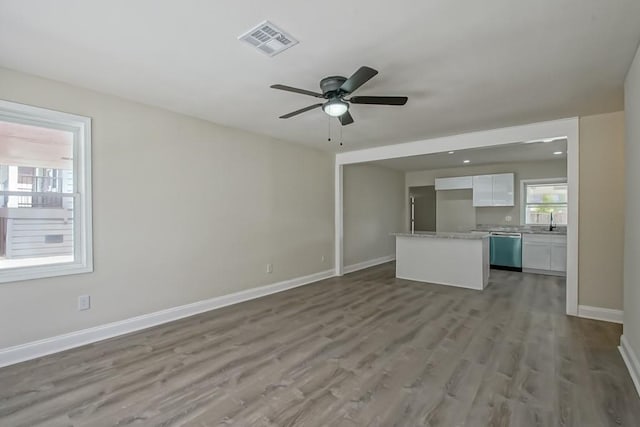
335,89
336,107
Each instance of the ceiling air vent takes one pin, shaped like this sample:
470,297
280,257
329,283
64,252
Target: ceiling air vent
268,39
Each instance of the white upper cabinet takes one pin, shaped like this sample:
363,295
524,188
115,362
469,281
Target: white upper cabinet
503,189
493,190
454,183
488,190
483,190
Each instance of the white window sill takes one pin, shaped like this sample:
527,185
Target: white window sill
16,274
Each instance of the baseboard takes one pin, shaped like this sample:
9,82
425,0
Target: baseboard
370,263
35,349
545,272
413,279
632,362
599,313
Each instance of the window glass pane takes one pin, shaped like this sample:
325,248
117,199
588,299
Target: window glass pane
36,195
547,193
541,214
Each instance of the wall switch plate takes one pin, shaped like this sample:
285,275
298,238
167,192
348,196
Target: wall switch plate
84,302
269,268
323,259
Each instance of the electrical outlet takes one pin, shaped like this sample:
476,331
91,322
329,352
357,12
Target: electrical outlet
84,302
508,218
269,268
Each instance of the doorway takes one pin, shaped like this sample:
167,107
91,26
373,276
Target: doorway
534,132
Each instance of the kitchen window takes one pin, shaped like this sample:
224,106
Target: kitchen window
544,200
45,193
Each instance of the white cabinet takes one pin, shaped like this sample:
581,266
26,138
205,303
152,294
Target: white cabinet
503,189
536,256
559,253
544,252
454,183
483,190
493,190
488,190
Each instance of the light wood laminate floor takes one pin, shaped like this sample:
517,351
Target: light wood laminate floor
363,350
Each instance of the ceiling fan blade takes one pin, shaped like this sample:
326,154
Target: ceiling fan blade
300,111
379,100
296,90
360,77
345,119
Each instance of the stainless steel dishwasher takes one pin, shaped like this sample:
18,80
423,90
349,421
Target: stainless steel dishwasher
506,250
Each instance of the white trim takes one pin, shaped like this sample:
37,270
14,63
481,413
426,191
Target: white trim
370,263
564,128
32,350
544,272
338,222
523,195
573,220
83,230
599,313
631,360
486,138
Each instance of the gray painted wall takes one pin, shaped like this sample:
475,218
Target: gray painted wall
455,211
373,207
209,237
601,223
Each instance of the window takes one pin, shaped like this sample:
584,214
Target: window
45,199
544,200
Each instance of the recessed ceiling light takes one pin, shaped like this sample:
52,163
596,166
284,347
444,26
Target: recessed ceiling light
451,152
557,152
466,161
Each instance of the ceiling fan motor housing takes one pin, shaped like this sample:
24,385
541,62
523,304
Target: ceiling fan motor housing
330,86
335,88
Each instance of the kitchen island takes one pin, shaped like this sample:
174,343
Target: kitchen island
454,259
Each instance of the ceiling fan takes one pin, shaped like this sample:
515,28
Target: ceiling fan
335,89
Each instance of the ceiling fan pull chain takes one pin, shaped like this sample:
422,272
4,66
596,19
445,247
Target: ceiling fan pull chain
341,136
329,128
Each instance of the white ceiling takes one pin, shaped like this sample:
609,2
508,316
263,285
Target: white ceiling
465,65
510,153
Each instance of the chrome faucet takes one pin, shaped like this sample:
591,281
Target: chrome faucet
551,226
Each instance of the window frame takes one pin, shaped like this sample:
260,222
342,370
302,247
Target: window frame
523,195
80,126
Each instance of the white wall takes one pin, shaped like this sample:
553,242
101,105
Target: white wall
373,208
184,210
632,213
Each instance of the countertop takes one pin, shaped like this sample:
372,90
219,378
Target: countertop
561,231
444,235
